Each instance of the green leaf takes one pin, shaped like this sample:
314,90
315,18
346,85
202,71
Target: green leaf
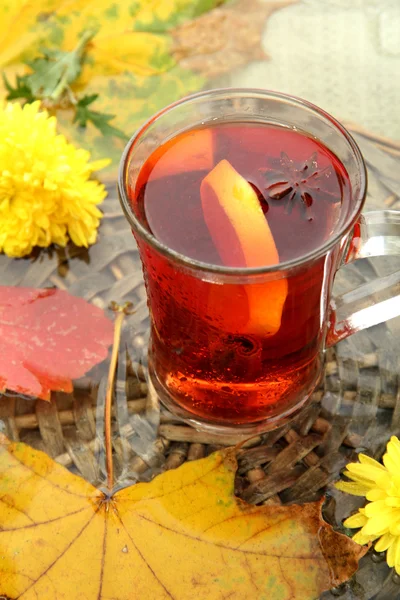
21,90
84,115
56,70
202,6
177,12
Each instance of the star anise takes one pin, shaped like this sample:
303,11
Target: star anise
301,182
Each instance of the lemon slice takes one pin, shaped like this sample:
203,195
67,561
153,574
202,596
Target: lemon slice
242,236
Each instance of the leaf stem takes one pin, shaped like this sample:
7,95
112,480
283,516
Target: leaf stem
109,396
121,312
85,38
78,50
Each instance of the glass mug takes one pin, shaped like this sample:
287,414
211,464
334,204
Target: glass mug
207,369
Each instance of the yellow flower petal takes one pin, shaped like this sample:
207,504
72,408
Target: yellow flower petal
378,508
369,472
391,459
362,539
380,518
45,190
76,232
359,479
356,520
350,487
384,542
394,445
393,553
376,494
367,460
395,528
379,524
96,165
393,501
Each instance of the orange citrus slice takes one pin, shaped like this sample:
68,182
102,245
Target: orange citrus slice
190,151
243,238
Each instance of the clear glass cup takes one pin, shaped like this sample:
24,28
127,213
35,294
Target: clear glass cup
195,308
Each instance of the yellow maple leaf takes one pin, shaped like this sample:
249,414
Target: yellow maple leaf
183,535
19,26
116,47
164,14
129,36
130,44
136,51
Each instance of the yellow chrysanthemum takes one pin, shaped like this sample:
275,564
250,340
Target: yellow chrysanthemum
45,192
380,518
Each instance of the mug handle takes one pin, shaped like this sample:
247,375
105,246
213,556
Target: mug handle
375,234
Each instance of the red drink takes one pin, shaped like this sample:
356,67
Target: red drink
239,351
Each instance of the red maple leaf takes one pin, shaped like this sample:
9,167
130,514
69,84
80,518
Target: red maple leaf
48,338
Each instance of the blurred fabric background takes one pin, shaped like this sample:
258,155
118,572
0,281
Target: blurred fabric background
343,55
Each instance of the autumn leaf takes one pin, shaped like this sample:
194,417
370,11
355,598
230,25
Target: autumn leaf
161,15
182,536
130,36
22,26
47,339
144,55
128,63
236,37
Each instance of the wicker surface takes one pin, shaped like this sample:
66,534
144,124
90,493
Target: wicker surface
356,408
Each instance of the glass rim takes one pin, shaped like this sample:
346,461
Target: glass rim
191,263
